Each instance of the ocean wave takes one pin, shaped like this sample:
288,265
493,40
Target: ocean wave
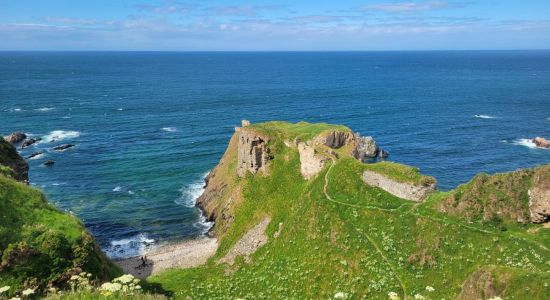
191,192
45,109
59,135
169,129
484,117
117,189
525,142
202,224
129,247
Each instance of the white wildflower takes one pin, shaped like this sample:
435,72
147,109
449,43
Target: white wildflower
127,278
496,298
15,298
4,289
28,292
111,287
393,296
419,297
340,295
430,288
74,277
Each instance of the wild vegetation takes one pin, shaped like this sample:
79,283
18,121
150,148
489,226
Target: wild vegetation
330,237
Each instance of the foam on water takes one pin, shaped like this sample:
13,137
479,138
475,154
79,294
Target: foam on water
191,192
59,135
169,129
117,189
132,246
525,142
484,117
45,109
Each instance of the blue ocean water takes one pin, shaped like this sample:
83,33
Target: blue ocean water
148,126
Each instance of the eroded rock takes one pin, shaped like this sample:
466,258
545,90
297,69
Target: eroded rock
63,147
253,153
541,142
248,244
11,159
402,190
28,142
311,163
334,139
539,196
16,137
365,148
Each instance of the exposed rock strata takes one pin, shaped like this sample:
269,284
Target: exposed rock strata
539,196
10,158
403,190
334,139
16,137
311,163
253,153
362,148
541,142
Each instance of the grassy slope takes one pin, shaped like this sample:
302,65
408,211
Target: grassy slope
57,240
362,241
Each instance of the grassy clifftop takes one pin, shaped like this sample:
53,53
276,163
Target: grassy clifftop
334,236
41,246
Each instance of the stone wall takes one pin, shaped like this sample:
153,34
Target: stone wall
310,162
403,190
253,153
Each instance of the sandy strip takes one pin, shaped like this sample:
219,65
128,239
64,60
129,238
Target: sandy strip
186,254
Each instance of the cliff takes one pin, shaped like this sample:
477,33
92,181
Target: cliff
41,246
297,219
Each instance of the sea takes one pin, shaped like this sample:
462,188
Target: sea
148,126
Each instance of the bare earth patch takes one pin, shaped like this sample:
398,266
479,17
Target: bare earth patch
248,244
187,254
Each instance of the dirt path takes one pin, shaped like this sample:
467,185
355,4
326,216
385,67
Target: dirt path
187,254
394,270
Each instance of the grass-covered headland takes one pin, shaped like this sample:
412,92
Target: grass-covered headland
329,237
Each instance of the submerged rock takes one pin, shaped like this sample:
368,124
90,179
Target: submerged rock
49,163
541,142
63,147
35,154
16,137
29,142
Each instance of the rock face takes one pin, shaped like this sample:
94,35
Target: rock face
253,153
365,148
539,196
310,162
403,190
16,137
248,244
334,139
541,142
10,158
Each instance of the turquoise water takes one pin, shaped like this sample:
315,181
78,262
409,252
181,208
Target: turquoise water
148,126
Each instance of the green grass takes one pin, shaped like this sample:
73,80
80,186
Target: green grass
365,242
289,131
38,243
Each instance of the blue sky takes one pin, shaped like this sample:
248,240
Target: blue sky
273,25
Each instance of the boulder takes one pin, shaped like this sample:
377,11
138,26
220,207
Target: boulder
28,142
245,123
365,148
310,162
541,142
16,137
63,147
35,154
539,196
11,159
253,153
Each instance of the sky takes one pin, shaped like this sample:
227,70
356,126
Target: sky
269,25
